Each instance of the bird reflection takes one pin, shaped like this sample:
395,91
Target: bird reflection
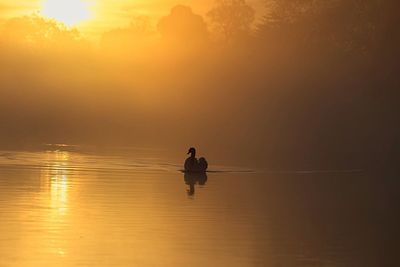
191,179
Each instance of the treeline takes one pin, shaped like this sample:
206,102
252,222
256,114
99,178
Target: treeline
356,26
322,26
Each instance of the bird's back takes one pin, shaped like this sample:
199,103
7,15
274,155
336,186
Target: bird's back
203,164
191,164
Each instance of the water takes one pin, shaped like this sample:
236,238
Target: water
64,207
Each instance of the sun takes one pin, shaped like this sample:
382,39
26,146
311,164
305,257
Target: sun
70,12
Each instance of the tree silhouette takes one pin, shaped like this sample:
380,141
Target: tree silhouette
39,32
182,25
346,24
231,18
135,36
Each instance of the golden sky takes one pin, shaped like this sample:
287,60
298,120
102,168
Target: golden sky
105,15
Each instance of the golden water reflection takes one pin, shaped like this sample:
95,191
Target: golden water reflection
55,185
55,178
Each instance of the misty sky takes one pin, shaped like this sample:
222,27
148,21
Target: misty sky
106,15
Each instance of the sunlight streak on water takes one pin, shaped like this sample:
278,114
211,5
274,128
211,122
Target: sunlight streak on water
58,174
55,186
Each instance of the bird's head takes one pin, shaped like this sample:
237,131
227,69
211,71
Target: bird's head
192,151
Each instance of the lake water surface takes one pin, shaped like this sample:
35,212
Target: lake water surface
74,208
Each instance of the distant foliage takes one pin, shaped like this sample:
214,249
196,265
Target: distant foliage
136,36
36,31
350,25
231,18
141,25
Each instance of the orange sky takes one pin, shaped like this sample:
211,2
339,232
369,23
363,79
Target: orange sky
106,15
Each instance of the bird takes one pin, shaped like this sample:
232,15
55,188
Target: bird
192,164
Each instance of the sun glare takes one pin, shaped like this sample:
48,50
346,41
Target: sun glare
70,12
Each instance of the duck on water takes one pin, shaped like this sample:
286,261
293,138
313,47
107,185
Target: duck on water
192,164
